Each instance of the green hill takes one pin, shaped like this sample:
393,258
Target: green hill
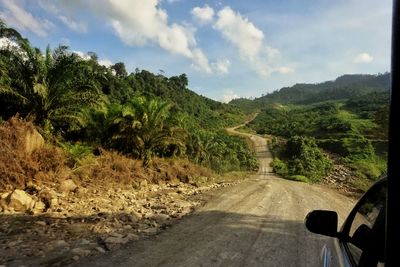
343,88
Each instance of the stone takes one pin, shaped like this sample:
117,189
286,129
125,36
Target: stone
67,186
83,242
20,201
100,249
4,200
33,141
59,244
143,184
132,237
115,240
160,218
53,202
80,251
136,216
39,207
41,223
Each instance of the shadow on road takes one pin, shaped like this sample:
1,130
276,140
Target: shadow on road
217,238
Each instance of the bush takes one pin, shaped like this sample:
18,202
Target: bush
299,178
78,154
280,167
305,158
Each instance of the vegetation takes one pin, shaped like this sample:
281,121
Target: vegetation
85,108
353,128
300,159
346,87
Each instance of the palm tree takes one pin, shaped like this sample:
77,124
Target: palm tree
52,87
146,128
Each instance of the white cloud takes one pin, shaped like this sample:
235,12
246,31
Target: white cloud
50,7
240,32
73,25
221,66
285,70
105,62
200,61
85,56
249,40
228,96
203,15
16,16
139,23
82,55
363,58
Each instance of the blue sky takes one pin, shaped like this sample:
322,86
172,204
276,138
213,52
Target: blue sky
228,49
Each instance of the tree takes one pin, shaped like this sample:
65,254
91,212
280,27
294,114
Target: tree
120,69
144,128
52,87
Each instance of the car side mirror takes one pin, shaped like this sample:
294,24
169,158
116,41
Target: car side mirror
323,222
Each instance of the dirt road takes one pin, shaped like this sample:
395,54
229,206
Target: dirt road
256,223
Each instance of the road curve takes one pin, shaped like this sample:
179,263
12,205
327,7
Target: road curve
258,222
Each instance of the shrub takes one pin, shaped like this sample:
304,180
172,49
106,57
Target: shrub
78,154
279,167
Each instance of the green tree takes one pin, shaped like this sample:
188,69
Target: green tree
145,128
53,87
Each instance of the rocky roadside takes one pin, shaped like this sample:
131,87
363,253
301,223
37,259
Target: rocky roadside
342,178
48,227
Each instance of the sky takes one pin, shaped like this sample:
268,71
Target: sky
228,49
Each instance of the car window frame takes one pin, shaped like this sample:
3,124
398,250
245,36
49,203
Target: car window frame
345,230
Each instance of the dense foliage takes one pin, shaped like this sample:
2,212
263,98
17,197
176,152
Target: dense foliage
343,88
300,159
84,107
356,133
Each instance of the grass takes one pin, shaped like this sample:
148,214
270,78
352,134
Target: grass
358,125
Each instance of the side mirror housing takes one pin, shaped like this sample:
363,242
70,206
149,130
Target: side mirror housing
323,222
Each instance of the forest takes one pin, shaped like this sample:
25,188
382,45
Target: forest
317,125
85,109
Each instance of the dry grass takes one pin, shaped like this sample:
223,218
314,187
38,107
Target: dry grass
24,158
40,163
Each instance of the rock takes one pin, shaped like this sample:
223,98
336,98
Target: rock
117,235
132,237
143,184
33,141
67,186
42,223
80,252
100,249
115,240
135,216
53,202
150,231
39,207
59,244
83,242
4,200
20,201
160,218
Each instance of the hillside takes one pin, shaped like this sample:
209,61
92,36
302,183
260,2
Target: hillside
344,87
345,119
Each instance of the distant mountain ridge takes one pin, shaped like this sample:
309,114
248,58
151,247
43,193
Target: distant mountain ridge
344,87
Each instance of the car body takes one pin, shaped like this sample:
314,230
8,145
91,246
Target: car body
361,240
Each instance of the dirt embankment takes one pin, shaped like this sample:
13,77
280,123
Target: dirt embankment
54,213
